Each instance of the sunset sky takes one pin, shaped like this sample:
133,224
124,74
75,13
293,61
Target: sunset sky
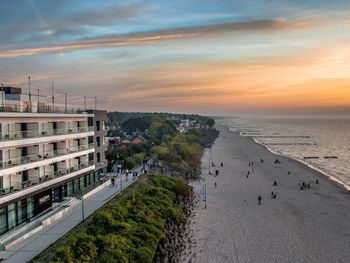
210,57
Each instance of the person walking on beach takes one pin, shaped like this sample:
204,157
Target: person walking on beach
274,195
249,164
259,199
215,184
217,172
275,183
222,164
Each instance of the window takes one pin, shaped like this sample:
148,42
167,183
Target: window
98,125
22,211
98,141
3,221
1,182
30,207
82,182
90,121
70,188
98,157
11,215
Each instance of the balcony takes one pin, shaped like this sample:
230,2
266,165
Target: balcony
19,135
26,107
26,187
46,156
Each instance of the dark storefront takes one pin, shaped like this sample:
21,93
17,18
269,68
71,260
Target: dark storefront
42,201
27,209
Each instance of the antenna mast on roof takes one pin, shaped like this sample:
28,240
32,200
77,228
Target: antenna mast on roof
30,97
53,96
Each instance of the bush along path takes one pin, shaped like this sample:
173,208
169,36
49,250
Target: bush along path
130,227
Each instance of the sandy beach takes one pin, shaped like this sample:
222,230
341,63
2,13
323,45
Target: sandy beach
311,225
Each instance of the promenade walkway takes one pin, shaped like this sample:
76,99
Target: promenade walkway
29,248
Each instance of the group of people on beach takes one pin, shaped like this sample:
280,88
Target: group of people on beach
251,166
302,185
216,171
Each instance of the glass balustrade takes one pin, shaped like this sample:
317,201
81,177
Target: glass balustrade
47,177
38,157
17,135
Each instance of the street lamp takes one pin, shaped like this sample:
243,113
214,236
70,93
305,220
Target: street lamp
82,205
205,196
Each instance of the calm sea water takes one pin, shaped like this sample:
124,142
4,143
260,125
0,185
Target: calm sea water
323,144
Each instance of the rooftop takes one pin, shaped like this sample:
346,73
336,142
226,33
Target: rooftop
12,99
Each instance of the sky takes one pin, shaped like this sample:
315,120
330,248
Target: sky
219,57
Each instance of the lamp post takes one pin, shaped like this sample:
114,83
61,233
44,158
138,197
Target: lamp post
2,96
205,196
82,205
121,181
209,159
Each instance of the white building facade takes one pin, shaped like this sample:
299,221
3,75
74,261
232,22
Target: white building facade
46,155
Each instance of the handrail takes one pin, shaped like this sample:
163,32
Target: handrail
45,178
47,155
42,108
16,135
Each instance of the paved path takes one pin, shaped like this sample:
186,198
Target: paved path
311,226
32,246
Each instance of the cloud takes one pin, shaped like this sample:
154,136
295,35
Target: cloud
64,19
140,38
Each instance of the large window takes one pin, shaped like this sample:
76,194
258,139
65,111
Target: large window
98,141
30,207
11,215
82,182
98,157
3,221
22,211
70,188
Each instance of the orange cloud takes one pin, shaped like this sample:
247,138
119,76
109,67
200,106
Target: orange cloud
313,79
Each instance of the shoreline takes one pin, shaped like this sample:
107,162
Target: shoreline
323,174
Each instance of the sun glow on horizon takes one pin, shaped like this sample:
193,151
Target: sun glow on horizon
214,58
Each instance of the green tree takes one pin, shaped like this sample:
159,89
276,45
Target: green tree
210,123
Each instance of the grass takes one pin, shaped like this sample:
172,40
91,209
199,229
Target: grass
126,229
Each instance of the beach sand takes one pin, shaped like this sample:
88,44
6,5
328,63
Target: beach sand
298,226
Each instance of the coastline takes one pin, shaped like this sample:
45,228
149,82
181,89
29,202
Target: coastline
310,225
322,173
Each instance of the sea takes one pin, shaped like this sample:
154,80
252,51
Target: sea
321,143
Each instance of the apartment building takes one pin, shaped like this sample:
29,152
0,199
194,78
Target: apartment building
47,153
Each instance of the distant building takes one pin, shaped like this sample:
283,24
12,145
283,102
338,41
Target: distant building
138,140
185,125
125,142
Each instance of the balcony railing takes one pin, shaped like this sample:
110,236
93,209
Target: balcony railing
47,155
42,108
17,135
45,178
